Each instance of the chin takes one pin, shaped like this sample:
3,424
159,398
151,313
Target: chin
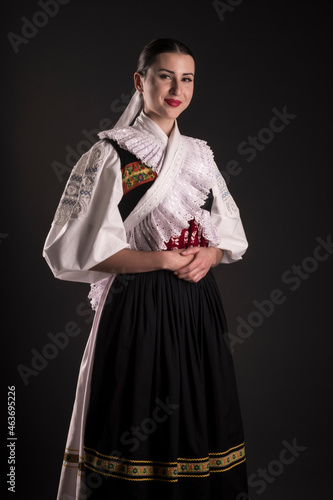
174,113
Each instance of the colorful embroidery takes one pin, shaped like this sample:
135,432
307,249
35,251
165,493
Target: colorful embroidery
73,459
221,462
136,173
141,470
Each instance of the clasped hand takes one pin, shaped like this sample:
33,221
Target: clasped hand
192,264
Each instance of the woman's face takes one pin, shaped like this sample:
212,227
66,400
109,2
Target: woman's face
167,87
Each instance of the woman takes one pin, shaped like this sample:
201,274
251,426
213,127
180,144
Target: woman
146,214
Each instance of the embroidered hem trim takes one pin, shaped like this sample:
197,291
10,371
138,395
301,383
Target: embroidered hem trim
150,470
73,460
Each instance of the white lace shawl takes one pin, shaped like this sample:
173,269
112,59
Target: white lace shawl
172,202
88,227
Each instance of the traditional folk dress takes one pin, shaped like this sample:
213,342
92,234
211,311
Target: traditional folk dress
156,413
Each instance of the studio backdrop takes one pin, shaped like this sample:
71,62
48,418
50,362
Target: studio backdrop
262,103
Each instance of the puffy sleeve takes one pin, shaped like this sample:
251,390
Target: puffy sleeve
226,218
87,226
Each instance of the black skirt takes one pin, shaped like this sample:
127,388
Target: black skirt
163,420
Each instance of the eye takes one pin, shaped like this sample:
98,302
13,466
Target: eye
164,76
186,79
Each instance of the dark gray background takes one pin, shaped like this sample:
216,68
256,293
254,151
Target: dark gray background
67,78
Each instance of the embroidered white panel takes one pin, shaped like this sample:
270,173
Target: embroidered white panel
80,185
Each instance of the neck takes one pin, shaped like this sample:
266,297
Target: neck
166,124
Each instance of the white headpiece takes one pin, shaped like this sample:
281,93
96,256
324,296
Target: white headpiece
132,109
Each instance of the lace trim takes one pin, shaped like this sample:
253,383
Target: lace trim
141,144
79,187
182,203
96,291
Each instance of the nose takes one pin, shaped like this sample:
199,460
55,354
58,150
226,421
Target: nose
175,87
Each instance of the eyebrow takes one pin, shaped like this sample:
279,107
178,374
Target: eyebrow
164,69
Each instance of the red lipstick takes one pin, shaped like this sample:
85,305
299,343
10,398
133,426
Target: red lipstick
173,102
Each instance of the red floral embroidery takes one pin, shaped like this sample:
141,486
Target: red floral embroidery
189,237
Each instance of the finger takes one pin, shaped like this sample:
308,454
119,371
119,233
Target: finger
191,273
185,271
197,270
190,251
190,266
194,278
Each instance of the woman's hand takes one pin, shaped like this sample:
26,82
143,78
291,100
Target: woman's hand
203,259
137,261
174,259
191,264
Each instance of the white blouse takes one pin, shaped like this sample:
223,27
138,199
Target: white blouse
88,227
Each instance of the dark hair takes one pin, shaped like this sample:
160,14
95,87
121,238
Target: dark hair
159,46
